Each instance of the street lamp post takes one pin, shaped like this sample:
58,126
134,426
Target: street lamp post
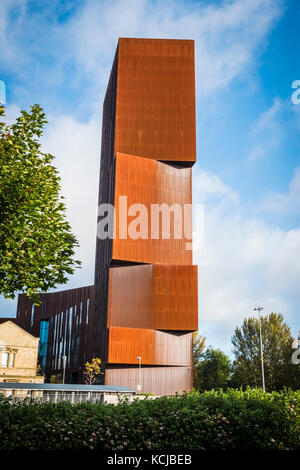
64,358
258,309
139,386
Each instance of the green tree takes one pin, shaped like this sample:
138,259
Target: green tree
277,352
214,369
198,348
36,243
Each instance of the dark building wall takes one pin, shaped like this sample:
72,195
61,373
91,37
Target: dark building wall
5,319
64,323
106,196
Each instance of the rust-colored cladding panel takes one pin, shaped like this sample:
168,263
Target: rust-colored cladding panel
155,347
155,110
153,296
148,182
157,380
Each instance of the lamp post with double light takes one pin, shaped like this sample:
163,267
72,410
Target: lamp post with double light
139,386
64,360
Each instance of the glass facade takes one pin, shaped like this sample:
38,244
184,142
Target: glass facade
43,344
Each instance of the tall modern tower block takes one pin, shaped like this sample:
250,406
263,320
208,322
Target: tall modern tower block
140,314
146,284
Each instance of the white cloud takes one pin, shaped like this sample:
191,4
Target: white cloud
267,119
11,113
244,262
10,49
76,147
285,203
208,185
227,36
266,133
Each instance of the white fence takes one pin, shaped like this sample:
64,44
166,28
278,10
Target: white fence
53,396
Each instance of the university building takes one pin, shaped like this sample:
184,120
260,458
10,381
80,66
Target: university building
18,354
143,303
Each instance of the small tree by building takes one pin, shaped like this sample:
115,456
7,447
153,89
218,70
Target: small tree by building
92,371
56,379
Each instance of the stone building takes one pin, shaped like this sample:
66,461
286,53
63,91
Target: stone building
18,354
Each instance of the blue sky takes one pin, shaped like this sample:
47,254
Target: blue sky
59,54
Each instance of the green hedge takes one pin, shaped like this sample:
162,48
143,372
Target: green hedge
212,420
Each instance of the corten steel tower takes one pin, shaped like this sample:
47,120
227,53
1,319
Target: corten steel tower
146,288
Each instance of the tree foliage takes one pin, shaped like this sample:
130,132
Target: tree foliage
198,348
277,353
92,371
36,243
211,367
214,370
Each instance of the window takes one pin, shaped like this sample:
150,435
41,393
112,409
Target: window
4,362
12,360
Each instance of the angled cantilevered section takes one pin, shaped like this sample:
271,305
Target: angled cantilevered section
159,347
161,297
145,283
166,192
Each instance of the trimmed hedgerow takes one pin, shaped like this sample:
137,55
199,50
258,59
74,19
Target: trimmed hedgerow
212,420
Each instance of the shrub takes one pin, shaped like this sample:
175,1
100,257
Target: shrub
213,420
